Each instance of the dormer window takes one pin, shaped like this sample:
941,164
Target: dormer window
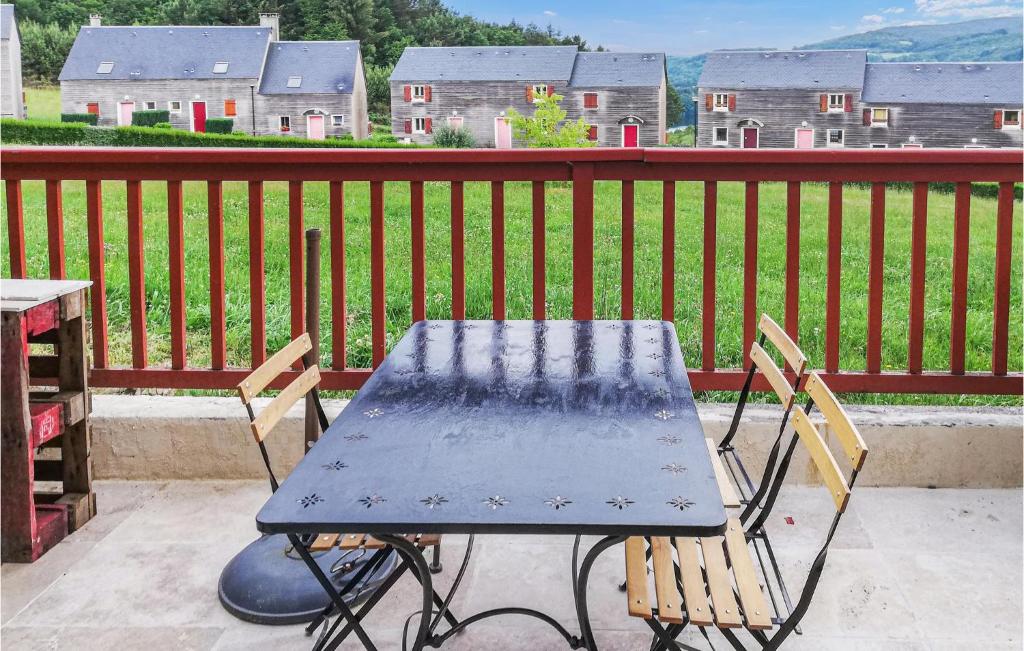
105,68
295,82
220,68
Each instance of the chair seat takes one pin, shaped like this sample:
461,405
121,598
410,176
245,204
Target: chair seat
326,541
729,495
719,567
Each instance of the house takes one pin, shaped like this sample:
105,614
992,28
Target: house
12,100
266,86
622,96
834,98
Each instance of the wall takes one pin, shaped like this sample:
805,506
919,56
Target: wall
614,104
269,108
360,111
943,125
11,104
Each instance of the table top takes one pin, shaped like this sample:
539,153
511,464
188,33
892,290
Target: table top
18,295
559,427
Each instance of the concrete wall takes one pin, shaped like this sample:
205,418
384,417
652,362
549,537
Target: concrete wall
149,437
11,104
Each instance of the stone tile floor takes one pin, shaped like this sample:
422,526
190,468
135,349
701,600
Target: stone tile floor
910,569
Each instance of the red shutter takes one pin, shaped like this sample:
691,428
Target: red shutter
589,100
709,102
407,92
867,117
823,103
997,119
732,103
427,93
848,103
408,126
593,133
551,90
428,126
529,94
94,107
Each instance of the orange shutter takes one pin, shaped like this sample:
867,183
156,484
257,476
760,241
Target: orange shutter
732,103
428,125
427,93
997,119
709,102
848,103
823,103
529,93
407,93
229,108
551,90
867,117
94,108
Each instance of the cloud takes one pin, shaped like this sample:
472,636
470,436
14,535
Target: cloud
893,10
548,12
872,19
837,28
968,8
701,31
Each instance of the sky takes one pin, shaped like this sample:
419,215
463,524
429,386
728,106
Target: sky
691,27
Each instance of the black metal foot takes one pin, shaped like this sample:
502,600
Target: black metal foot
435,566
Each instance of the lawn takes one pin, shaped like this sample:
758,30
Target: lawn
43,102
519,278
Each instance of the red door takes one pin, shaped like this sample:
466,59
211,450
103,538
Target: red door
749,138
199,116
630,135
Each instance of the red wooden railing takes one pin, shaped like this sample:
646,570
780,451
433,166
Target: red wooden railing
580,167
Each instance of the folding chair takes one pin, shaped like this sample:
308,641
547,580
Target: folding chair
261,425
723,567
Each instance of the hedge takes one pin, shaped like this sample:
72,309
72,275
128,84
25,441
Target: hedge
81,118
150,118
219,125
33,132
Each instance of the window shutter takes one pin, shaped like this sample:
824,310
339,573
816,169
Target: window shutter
732,103
867,117
427,93
94,108
709,102
848,103
229,107
428,125
593,133
407,92
551,90
408,126
529,94
997,119
823,103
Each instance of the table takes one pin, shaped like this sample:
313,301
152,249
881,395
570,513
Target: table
512,427
45,432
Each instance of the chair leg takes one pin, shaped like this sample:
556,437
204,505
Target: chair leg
435,561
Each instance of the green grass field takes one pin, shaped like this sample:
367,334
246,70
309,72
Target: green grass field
43,102
689,234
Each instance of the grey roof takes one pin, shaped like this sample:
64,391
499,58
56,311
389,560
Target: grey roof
799,69
6,21
597,69
326,67
945,83
511,63
167,52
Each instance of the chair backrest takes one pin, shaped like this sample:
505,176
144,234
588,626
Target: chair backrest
794,357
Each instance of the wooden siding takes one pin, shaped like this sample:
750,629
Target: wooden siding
943,125
11,104
269,109
480,103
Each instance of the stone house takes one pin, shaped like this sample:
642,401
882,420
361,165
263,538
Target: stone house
12,100
266,86
622,96
834,98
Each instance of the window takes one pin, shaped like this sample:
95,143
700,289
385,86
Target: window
589,100
419,125
1011,119
419,93
721,101
879,117
174,106
230,108
149,106
105,68
284,123
539,91
974,146
836,101
295,82
912,145
220,68
337,120
93,107
879,145
721,136
835,138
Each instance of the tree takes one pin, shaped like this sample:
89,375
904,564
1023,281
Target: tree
378,89
674,107
44,48
545,127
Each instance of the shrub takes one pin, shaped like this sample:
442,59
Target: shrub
150,118
219,125
163,125
453,137
82,118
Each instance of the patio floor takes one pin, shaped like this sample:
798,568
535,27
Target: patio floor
910,569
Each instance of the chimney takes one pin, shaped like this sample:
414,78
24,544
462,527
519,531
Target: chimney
95,20
273,21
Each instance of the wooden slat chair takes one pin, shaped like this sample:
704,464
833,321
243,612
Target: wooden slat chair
713,581
263,423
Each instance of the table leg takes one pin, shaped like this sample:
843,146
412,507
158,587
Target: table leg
586,633
419,567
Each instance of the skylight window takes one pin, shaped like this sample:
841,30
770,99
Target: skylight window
294,82
105,68
220,68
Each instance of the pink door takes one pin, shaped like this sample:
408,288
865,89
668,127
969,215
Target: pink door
315,127
630,135
124,113
199,117
749,138
805,138
502,134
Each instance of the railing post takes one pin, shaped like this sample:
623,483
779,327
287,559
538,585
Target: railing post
312,424
582,241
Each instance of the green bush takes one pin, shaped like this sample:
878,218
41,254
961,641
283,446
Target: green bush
453,138
163,125
82,118
150,118
219,125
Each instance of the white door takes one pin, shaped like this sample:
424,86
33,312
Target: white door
315,127
124,113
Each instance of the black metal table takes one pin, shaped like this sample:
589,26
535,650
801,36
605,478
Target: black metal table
512,427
